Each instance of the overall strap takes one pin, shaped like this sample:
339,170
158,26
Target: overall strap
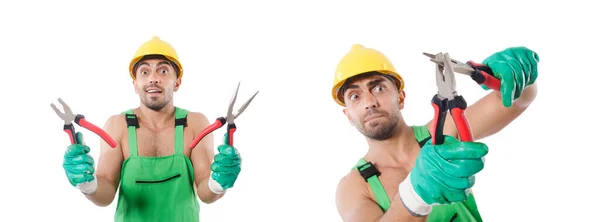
371,175
132,125
421,134
180,123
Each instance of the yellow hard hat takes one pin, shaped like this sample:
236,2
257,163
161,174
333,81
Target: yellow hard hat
155,46
358,61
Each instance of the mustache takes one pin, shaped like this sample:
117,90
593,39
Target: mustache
372,112
153,86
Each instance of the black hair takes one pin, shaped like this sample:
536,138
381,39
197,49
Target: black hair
156,56
344,86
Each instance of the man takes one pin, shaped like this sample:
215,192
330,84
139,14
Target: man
159,175
403,177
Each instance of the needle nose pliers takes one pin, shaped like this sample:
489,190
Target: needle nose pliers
229,119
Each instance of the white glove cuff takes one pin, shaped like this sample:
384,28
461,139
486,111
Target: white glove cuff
411,200
214,186
88,187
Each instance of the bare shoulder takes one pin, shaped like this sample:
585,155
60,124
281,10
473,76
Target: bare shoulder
350,183
116,120
350,194
197,120
115,125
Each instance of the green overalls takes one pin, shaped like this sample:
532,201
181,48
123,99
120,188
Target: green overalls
157,188
460,211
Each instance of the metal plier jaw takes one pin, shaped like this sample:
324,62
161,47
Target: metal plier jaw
229,119
480,73
230,116
231,127
69,117
445,79
448,99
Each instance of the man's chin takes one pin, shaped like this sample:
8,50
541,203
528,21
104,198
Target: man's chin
155,107
378,131
154,104
379,136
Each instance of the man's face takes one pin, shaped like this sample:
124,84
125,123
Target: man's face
373,106
156,80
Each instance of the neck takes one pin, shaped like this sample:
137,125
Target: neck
397,150
157,119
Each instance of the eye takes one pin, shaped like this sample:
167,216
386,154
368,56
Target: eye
164,71
144,72
379,88
353,96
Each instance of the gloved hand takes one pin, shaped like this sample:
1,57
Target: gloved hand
79,166
516,68
442,174
225,168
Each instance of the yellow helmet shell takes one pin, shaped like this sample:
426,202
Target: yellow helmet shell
358,61
155,46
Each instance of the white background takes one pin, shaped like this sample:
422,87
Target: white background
540,167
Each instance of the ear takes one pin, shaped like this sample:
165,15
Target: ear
177,84
401,97
135,87
345,110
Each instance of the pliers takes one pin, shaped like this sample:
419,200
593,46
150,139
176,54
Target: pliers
231,127
448,99
69,117
480,73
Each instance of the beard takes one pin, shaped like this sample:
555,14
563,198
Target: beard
379,130
159,102
154,103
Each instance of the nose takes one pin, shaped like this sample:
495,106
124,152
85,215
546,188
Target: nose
154,78
369,101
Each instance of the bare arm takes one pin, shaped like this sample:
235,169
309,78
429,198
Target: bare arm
108,172
353,205
488,116
201,157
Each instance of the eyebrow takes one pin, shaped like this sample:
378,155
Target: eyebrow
370,84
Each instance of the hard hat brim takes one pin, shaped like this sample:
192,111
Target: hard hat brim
138,59
336,90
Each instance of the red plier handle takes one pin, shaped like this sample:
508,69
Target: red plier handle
209,129
457,108
70,130
231,128
440,108
80,120
483,76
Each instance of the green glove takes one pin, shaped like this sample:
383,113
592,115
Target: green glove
516,67
442,174
225,168
79,166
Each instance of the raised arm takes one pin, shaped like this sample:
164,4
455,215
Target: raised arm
108,173
516,68
488,116
202,157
